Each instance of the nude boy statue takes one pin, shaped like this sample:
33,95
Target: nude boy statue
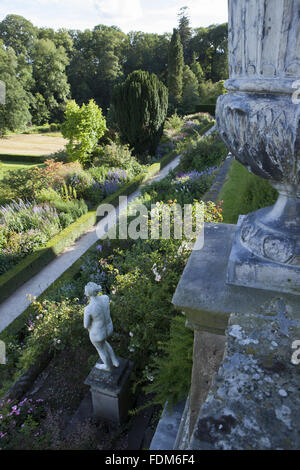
98,321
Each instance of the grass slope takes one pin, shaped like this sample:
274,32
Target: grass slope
244,192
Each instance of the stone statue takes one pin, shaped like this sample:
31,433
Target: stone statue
98,321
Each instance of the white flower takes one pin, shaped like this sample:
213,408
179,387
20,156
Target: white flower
157,275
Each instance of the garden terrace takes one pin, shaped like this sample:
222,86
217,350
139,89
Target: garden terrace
140,278
70,193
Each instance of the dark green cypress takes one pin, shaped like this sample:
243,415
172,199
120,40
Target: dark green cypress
175,70
141,104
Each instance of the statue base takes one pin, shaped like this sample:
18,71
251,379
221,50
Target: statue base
111,395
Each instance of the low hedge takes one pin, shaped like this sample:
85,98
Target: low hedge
33,263
23,158
206,108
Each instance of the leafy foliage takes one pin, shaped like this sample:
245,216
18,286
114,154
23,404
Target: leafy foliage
190,94
83,127
209,92
207,152
49,74
172,370
15,112
117,156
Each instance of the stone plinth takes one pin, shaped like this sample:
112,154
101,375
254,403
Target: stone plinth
206,298
111,394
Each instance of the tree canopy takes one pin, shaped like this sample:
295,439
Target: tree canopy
46,67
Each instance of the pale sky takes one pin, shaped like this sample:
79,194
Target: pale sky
152,16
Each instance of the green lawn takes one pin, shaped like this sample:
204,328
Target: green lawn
244,192
32,144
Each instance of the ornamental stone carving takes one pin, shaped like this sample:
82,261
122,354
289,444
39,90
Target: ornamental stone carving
260,123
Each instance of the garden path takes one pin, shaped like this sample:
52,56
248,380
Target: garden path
12,307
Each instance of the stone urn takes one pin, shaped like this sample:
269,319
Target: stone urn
259,121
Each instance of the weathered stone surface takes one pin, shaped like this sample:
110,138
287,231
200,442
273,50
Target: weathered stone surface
254,402
264,41
206,298
207,358
110,391
167,428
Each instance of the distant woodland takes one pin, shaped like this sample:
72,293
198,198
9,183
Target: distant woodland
43,69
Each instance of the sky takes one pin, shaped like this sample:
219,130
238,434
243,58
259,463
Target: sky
151,16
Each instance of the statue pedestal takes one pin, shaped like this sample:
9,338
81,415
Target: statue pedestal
111,395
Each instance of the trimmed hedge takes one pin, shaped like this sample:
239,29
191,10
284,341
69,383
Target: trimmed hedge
206,108
23,158
33,263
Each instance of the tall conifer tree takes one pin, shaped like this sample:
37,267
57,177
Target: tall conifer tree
140,104
185,31
175,70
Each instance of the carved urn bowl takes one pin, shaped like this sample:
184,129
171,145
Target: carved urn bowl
259,120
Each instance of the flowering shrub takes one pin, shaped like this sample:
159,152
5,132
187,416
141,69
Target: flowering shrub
184,186
206,152
21,216
26,226
174,123
19,423
113,181
29,425
53,327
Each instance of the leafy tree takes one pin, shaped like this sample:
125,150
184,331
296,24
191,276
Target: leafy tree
140,105
190,94
211,47
175,70
185,31
96,64
83,127
18,33
148,52
40,111
62,37
49,73
209,91
14,113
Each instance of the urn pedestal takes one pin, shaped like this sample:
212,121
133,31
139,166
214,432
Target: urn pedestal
259,120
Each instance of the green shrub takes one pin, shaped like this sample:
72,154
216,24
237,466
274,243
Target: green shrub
203,153
172,370
53,327
174,122
24,183
117,156
140,105
54,127
83,127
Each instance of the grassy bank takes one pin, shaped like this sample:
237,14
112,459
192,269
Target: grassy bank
244,192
